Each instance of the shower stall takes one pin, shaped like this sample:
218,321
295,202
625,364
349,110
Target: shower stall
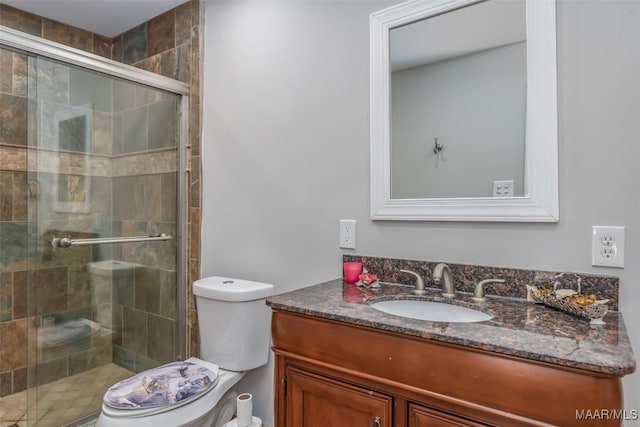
92,226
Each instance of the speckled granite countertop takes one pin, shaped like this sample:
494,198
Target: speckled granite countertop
518,328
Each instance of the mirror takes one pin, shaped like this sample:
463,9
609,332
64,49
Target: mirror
464,111
458,103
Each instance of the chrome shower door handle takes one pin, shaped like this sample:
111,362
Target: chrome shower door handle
65,242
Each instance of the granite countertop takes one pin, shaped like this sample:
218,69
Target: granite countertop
518,328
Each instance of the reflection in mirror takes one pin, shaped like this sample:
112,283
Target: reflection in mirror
458,103
464,111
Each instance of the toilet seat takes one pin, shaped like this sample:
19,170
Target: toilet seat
172,384
182,411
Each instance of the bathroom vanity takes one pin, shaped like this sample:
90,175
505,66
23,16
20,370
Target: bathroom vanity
340,362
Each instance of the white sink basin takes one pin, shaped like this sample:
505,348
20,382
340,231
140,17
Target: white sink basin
429,310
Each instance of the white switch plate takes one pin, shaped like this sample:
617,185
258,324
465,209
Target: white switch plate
348,233
607,246
503,188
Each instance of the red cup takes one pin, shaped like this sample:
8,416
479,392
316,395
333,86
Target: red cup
351,271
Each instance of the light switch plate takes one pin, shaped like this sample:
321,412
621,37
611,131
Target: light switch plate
348,233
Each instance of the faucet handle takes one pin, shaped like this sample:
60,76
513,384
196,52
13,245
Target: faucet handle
419,290
478,292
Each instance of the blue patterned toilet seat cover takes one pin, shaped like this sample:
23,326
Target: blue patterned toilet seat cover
173,383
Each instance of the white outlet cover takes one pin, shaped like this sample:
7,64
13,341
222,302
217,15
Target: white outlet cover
503,188
607,246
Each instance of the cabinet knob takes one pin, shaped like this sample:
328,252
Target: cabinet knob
377,421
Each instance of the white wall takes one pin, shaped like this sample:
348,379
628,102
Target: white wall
475,105
286,143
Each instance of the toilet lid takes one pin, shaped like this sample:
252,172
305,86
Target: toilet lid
173,383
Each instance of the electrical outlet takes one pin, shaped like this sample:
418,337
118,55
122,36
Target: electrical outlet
608,252
348,233
503,188
607,240
607,246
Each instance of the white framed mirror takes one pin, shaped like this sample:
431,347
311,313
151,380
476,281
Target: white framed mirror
464,111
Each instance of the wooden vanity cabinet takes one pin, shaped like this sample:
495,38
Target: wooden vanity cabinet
334,374
320,401
420,416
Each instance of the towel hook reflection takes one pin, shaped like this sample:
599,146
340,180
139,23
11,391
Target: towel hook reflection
437,147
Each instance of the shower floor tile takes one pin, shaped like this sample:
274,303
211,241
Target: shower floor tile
62,402
13,410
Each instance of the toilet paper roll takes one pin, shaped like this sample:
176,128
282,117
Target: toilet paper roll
244,409
255,422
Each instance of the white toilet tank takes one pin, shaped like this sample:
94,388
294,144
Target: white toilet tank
234,322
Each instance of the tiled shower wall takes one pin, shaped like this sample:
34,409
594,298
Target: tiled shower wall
168,45
13,222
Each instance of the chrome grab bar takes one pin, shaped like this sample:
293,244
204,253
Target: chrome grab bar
65,242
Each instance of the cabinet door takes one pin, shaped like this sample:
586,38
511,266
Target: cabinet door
420,416
316,401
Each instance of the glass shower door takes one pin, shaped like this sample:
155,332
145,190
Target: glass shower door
103,165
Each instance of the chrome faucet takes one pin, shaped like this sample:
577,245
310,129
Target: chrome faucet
440,272
478,292
419,290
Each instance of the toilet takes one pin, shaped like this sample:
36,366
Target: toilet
234,336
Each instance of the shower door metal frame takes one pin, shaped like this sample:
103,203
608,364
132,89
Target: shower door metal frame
41,47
